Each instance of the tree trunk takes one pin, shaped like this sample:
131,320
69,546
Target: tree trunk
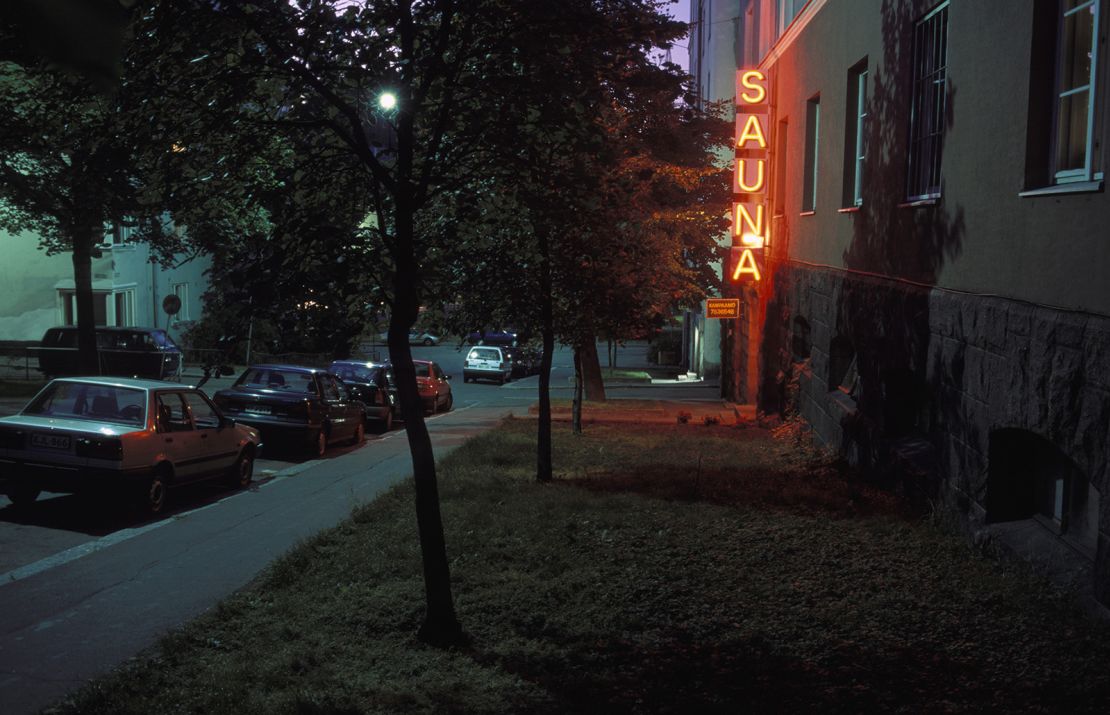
576,411
441,626
591,372
543,435
88,359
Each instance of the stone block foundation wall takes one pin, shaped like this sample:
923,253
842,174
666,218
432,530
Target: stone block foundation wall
925,387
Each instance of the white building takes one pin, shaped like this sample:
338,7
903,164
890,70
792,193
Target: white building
128,287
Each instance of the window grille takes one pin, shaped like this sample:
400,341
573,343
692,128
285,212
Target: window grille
930,66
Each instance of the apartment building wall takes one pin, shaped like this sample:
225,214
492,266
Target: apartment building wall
948,330
128,287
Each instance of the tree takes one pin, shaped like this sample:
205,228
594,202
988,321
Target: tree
314,70
608,196
66,169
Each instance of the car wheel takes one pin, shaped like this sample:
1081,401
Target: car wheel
500,379
428,342
387,423
320,444
450,402
242,472
435,405
359,435
153,499
23,494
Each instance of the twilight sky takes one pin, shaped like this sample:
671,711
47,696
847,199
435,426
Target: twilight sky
680,10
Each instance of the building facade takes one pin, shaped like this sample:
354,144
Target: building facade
932,298
128,287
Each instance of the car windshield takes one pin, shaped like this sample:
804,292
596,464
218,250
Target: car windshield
161,339
423,369
278,379
85,401
356,373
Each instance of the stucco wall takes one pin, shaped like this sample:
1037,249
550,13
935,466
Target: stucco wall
29,303
981,237
940,372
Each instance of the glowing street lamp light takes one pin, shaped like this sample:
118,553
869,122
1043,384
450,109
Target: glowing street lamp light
387,101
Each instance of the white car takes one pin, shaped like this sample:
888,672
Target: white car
486,362
136,437
415,338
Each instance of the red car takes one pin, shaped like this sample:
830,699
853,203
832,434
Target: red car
433,385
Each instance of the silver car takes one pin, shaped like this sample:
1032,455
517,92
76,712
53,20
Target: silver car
135,437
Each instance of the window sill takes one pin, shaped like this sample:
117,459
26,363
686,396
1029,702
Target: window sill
808,213
849,210
1077,187
919,203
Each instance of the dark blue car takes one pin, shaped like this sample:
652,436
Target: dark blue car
295,405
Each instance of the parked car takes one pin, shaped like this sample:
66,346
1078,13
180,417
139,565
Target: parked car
524,360
295,405
142,437
125,352
416,337
487,362
372,384
504,338
434,386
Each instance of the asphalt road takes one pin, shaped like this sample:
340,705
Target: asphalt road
83,588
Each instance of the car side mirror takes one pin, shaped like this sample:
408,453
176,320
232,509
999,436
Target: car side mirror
446,377
226,422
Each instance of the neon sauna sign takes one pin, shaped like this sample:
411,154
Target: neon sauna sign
749,186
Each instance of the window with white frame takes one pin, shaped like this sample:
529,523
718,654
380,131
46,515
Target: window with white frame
813,137
69,307
855,135
119,234
787,11
927,113
181,290
124,301
1074,116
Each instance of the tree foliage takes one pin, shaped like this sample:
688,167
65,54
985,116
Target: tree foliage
66,161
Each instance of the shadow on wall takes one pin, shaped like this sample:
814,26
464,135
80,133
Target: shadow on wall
905,230
903,234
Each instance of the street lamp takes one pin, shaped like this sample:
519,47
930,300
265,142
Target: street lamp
387,101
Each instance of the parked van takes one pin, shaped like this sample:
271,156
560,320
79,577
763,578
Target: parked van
124,352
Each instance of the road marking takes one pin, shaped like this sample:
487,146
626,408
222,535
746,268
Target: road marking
77,552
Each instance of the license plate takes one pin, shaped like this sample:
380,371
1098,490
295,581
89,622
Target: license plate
257,410
50,441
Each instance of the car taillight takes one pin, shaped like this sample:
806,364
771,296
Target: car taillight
100,448
504,365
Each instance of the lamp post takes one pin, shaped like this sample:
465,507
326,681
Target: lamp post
382,134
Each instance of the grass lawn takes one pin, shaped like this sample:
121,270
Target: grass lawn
674,569
616,373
